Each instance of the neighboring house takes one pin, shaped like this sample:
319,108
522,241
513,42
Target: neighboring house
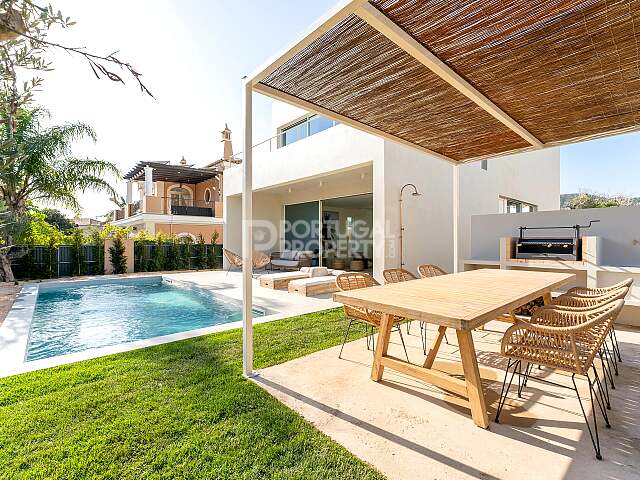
83,223
334,190
178,200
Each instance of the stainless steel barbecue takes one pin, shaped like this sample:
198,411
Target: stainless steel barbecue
555,248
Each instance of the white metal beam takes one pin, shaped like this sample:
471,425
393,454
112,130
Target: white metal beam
311,107
247,234
406,42
315,31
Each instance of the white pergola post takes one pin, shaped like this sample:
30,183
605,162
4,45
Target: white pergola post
456,216
247,235
129,192
148,181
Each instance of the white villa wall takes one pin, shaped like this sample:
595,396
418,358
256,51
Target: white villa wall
339,148
336,155
427,219
532,177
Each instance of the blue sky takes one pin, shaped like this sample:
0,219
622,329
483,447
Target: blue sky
193,54
609,165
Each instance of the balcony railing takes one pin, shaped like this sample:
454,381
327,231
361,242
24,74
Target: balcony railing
192,210
173,206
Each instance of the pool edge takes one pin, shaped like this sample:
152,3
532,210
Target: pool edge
16,328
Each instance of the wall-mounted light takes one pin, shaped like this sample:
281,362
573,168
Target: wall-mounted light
321,184
290,190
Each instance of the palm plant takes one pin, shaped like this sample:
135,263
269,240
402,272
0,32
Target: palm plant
37,164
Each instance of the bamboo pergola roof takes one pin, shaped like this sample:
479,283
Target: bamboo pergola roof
468,80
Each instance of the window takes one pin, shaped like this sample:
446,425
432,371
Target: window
317,124
483,164
294,133
180,197
304,128
207,195
509,205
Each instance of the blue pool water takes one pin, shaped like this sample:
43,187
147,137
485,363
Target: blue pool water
75,318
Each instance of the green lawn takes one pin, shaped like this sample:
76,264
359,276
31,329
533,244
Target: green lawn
180,410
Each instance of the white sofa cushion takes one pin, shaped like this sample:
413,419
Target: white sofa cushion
284,275
313,281
284,263
288,255
318,272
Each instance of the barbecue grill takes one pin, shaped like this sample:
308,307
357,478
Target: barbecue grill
551,248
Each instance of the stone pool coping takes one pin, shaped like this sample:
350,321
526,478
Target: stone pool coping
14,331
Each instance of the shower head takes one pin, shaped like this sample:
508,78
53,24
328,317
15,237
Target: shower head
415,190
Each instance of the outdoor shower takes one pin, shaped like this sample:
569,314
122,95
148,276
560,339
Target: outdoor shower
414,194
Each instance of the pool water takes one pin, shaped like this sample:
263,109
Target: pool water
75,318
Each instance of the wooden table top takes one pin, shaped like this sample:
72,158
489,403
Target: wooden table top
463,300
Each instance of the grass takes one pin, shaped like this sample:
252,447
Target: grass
180,410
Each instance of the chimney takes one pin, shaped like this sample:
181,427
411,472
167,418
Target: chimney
227,150
183,161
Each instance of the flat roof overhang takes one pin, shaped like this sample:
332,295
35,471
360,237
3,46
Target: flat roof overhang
468,80
164,172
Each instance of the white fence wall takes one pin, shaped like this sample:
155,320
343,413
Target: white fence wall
619,230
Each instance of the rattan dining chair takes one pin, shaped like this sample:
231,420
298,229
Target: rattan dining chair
571,301
398,275
564,340
371,318
428,270
596,292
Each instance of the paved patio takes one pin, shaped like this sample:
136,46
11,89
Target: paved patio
408,429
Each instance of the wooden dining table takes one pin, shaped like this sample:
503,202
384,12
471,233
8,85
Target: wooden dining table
462,301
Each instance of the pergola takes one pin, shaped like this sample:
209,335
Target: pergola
165,172
460,81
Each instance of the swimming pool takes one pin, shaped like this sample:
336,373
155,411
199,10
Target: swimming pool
76,317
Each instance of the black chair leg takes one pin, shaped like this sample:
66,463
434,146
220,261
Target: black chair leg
616,354
373,340
504,392
605,355
607,374
409,327
403,345
616,346
346,335
601,400
595,440
523,383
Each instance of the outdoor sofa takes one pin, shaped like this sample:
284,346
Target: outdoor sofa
291,259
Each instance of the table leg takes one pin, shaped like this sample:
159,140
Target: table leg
435,346
472,377
384,335
547,298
